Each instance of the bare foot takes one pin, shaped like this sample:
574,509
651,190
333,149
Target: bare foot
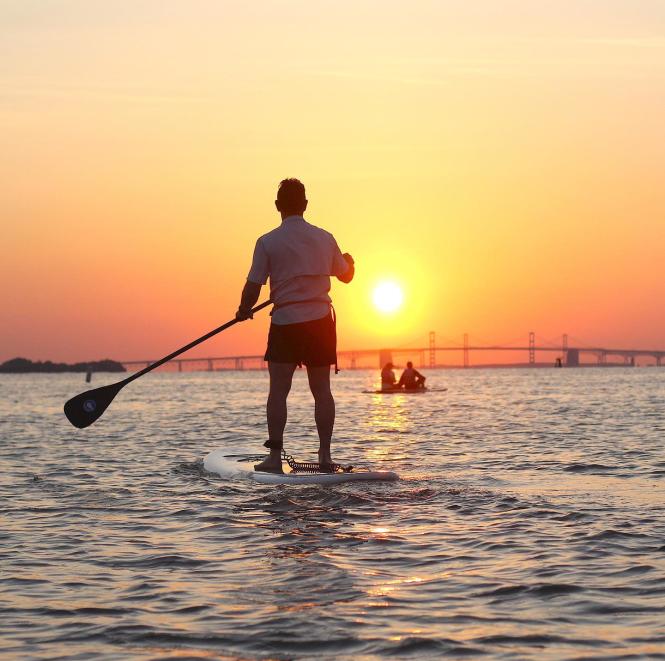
326,464
269,465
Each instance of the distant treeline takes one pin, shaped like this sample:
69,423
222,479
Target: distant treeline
23,365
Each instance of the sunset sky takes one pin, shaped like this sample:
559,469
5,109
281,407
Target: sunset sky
501,160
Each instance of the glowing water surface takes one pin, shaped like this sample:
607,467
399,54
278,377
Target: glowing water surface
529,523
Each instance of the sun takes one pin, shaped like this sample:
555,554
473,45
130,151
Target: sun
388,297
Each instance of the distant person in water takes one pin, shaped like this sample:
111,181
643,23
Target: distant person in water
388,379
411,378
299,259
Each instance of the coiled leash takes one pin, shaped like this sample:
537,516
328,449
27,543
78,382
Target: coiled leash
312,467
296,466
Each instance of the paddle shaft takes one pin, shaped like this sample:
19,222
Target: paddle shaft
191,345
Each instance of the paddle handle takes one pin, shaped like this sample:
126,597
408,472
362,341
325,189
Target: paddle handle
191,345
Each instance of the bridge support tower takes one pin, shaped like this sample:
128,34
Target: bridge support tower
573,358
385,356
466,350
532,348
432,349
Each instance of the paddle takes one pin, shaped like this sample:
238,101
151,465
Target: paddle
87,407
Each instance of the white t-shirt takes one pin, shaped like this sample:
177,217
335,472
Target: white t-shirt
299,258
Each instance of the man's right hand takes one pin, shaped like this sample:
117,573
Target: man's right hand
348,276
243,315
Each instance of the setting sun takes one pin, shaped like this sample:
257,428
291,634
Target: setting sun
388,297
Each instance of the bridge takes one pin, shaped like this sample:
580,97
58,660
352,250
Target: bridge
427,356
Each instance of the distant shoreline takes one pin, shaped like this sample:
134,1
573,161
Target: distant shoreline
25,366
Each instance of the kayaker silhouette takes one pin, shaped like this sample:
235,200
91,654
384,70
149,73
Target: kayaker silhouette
411,378
388,379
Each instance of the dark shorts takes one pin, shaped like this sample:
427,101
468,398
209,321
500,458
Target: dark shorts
311,343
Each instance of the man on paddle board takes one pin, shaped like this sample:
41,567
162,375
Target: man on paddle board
299,259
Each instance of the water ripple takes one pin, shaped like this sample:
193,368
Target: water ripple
529,522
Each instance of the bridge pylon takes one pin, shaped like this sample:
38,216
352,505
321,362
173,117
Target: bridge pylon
385,356
532,348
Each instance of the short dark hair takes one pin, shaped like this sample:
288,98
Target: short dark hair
291,195
409,364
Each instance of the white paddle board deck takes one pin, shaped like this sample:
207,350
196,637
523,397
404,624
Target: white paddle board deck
231,463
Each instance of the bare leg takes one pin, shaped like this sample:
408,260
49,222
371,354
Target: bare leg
324,410
281,376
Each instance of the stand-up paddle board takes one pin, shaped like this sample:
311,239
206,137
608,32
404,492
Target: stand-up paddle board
404,391
231,463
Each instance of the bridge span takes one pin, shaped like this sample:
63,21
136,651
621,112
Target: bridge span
428,356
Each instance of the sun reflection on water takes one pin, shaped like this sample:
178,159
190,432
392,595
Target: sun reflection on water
387,422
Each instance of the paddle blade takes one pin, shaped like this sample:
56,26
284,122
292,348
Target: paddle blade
85,408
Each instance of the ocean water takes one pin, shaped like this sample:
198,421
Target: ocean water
529,522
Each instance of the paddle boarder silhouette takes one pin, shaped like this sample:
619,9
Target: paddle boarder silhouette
299,259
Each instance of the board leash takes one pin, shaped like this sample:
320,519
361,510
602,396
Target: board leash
311,466
296,466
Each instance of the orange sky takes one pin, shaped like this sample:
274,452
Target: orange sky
503,161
